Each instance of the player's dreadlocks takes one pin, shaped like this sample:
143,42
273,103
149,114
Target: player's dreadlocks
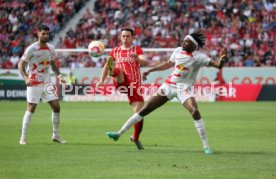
199,37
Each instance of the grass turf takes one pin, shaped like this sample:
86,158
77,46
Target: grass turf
242,136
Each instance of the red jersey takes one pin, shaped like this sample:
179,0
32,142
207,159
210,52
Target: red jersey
126,63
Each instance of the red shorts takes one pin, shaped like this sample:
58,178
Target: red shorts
133,94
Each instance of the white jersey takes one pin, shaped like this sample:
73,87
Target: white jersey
38,63
186,67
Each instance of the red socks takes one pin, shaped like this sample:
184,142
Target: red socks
137,130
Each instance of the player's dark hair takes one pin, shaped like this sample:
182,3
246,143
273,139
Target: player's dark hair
43,27
128,29
199,37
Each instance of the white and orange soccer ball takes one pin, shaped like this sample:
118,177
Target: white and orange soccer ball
96,48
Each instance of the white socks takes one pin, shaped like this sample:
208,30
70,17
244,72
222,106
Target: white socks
27,119
199,124
130,122
25,124
55,122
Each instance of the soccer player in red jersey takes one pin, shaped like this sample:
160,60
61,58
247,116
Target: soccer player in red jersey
123,64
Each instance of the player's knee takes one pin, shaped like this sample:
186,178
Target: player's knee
56,109
31,108
143,113
145,110
195,113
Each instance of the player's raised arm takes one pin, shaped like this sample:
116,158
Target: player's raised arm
163,66
219,64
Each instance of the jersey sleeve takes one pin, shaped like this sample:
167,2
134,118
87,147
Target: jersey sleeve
172,58
203,59
27,55
139,50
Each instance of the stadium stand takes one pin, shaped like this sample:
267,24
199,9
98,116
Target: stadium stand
246,27
19,19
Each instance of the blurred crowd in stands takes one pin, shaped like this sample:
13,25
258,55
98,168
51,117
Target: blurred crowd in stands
246,27
19,20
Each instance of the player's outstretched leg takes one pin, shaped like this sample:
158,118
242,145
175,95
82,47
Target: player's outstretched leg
113,135
131,121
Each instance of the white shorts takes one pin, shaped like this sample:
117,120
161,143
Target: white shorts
171,92
47,93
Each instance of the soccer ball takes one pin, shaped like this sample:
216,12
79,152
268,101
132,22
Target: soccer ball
96,48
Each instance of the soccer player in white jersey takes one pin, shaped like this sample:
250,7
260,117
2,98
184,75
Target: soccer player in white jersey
186,61
37,58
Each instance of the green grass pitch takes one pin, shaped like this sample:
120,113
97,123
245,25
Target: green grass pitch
242,136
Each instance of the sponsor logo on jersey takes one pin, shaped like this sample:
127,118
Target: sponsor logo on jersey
181,67
44,62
